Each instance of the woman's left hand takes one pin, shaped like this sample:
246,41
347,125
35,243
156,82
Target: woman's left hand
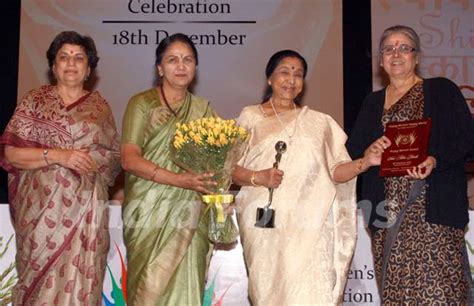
196,182
423,170
75,159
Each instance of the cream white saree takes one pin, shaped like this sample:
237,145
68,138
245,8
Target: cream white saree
304,260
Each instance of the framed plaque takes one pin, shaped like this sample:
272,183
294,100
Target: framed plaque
409,146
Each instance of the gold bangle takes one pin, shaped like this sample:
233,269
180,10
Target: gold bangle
252,179
45,156
152,178
359,165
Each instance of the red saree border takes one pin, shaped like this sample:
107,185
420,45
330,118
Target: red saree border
12,139
79,101
49,123
9,138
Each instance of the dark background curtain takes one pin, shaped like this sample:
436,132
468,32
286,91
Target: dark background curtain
10,14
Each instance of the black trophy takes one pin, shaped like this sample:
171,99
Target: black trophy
266,215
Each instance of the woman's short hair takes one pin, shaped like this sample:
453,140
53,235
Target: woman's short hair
274,61
73,38
165,43
407,31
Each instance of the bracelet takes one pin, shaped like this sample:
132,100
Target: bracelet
152,178
252,179
359,165
45,156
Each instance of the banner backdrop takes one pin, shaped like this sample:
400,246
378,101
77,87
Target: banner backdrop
227,276
234,38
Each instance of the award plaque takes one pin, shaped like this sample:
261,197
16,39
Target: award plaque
409,146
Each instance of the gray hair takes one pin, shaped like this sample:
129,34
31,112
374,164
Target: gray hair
407,31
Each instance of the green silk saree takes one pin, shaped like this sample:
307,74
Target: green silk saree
165,236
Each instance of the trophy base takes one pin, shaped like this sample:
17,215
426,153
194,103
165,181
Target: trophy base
265,217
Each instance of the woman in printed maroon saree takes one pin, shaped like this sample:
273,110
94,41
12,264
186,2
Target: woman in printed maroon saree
61,151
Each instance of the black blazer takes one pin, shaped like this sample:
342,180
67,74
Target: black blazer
451,140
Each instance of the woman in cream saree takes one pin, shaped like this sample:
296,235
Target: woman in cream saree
304,259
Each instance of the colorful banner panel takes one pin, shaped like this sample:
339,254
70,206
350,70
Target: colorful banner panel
446,30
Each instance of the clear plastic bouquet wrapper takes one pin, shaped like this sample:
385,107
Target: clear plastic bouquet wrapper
212,145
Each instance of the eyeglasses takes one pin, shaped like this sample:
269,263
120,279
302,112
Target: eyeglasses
402,49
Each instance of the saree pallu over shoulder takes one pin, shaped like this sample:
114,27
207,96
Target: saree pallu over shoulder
60,217
312,243
165,238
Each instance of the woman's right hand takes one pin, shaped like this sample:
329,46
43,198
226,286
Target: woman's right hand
270,178
373,154
77,160
196,182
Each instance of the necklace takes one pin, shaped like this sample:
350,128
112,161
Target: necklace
290,136
166,101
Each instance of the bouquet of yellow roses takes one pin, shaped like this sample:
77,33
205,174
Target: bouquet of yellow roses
212,145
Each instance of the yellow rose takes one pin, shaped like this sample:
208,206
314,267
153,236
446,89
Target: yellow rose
210,131
223,139
202,131
216,130
197,139
178,143
211,140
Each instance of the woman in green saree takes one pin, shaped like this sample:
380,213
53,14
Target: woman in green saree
164,234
